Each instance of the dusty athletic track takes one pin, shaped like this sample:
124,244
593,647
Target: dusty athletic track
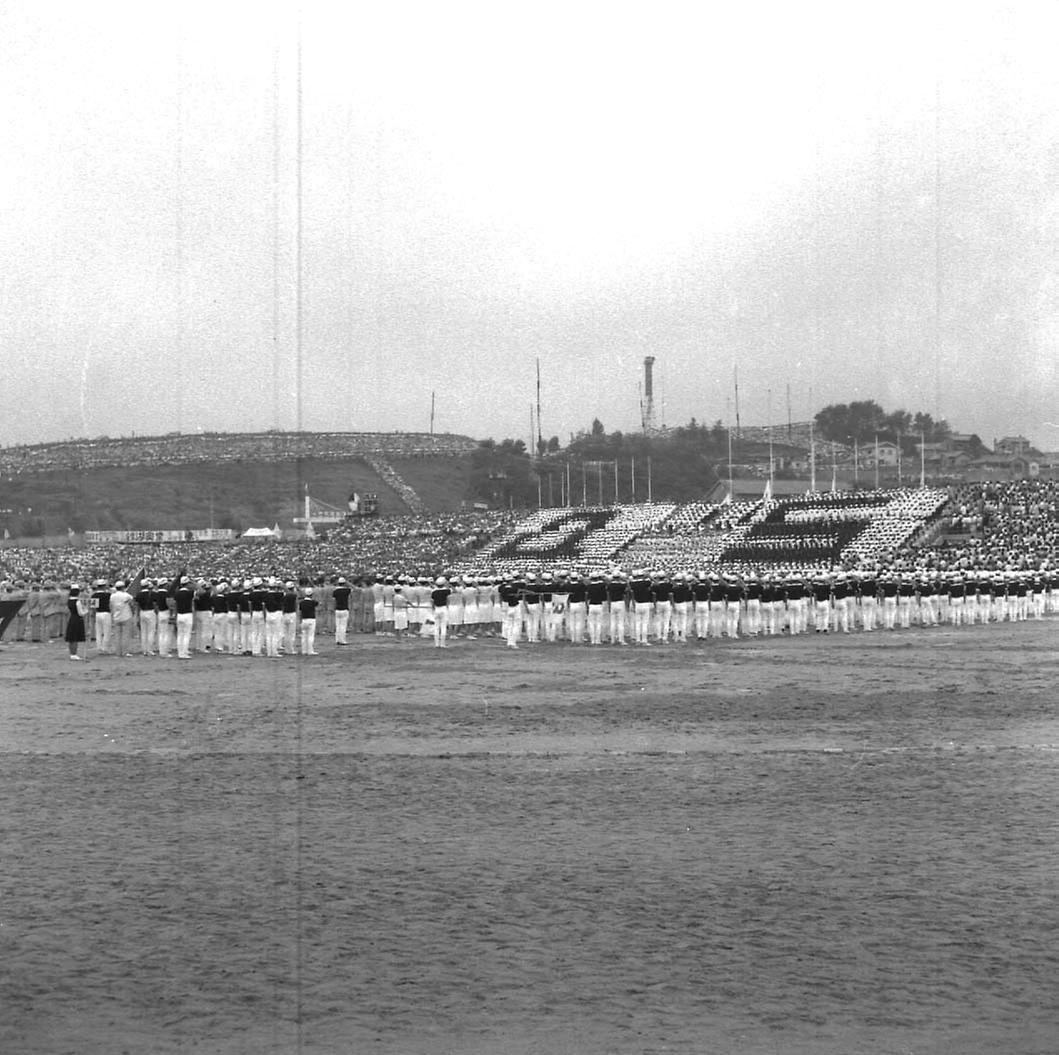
819,845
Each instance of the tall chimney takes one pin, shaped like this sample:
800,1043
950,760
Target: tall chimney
649,394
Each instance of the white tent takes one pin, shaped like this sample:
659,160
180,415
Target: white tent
261,533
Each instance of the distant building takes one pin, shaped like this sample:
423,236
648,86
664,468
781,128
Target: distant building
1012,445
962,441
943,459
884,454
998,466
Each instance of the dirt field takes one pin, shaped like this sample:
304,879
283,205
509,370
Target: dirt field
819,845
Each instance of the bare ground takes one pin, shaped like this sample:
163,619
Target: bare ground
819,845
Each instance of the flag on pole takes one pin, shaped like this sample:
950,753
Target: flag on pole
767,496
136,582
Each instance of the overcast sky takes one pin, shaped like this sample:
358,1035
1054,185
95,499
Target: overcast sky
853,200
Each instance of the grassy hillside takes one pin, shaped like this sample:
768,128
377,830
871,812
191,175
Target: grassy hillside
442,483
236,495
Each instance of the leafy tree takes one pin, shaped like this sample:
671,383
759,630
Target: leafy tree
597,428
500,474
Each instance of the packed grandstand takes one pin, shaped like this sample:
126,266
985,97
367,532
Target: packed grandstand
223,447
1008,524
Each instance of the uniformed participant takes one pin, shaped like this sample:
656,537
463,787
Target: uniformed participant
867,599
700,592
531,598
307,606
273,608
821,590
123,619
439,598
718,605
256,601
577,608
662,587
145,603
617,591
99,604
595,601
642,599
163,603
682,600
203,616
341,595
289,619
219,605
734,595
185,617
510,594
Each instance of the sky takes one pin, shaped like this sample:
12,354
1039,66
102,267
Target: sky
235,216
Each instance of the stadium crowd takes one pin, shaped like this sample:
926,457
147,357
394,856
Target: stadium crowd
195,448
475,574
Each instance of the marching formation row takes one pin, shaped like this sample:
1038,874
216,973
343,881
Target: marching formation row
266,616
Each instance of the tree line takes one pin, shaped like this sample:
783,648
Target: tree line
684,461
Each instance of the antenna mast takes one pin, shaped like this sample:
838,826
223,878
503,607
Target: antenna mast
540,435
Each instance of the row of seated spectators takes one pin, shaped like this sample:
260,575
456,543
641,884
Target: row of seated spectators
372,544
194,448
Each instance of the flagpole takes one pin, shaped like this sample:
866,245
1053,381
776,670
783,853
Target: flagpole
812,457
615,481
649,498
772,464
876,461
738,430
922,459
731,486
632,474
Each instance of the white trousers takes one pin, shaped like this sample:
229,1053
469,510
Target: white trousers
148,633
308,637
185,624
341,626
